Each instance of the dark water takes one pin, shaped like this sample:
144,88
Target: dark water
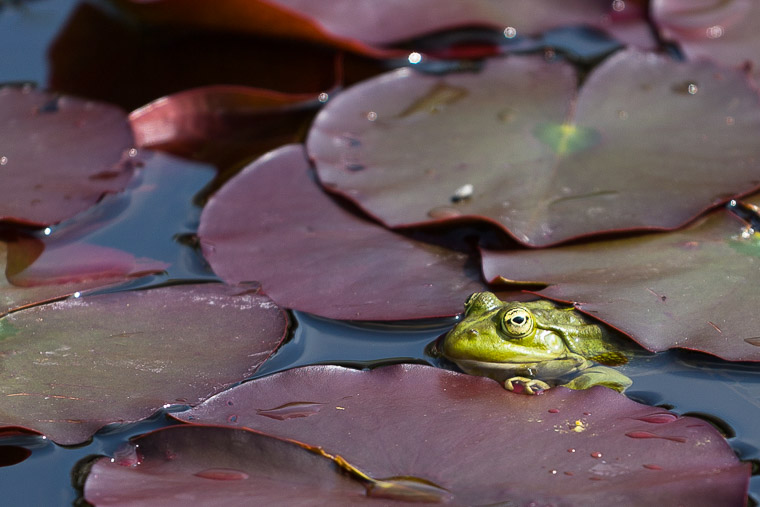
726,394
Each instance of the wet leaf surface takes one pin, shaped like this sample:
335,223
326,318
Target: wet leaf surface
564,447
71,367
274,225
206,465
411,148
723,31
58,155
368,26
694,289
223,125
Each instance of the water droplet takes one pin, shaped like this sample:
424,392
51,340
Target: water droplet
618,5
661,418
748,232
132,153
462,193
444,212
753,341
510,32
553,411
652,467
596,454
372,116
48,231
3,160
553,472
414,58
77,294
571,450
685,88
714,32
291,410
647,434
693,89
323,97
222,474
232,419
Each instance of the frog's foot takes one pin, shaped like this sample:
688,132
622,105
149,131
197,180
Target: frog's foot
525,385
600,376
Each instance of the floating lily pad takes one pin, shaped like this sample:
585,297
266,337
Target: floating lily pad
368,26
223,124
274,225
725,32
203,465
694,289
637,147
58,155
482,445
71,367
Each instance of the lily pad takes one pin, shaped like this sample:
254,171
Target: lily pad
482,445
274,225
206,465
693,289
517,145
223,124
71,367
722,31
58,155
369,26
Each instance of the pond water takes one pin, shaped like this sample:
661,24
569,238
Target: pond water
725,394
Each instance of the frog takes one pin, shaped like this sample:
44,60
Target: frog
526,345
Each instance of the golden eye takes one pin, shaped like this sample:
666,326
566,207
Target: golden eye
517,322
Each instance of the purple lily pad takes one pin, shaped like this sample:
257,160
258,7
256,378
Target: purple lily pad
58,155
35,274
485,445
694,289
517,145
273,224
206,465
369,26
74,366
725,32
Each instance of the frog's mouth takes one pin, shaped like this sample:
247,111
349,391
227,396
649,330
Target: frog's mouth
544,370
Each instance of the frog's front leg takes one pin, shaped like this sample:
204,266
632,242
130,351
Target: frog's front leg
600,376
529,385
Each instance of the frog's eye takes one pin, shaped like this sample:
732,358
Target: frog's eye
517,322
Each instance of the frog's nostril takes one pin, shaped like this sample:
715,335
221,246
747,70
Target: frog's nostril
472,332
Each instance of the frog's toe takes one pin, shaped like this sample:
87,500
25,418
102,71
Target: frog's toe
525,385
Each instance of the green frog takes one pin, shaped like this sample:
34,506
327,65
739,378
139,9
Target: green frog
527,343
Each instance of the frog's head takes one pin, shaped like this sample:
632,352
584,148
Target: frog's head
505,336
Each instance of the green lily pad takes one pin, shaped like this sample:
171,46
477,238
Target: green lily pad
645,143
475,443
71,367
694,289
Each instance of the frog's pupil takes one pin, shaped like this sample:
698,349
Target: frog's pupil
518,320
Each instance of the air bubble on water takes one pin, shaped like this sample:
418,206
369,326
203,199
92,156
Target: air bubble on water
132,152
618,5
372,116
48,231
3,160
510,32
692,89
748,232
323,97
414,58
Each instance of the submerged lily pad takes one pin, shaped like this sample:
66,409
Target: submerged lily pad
694,289
202,465
273,224
517,145
58,155
467,436
71,367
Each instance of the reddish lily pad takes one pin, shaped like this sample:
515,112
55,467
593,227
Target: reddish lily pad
71,367
223,124
58,155
206,465
484,445
722,31
694,289
368,26
517,145
35,274
273,224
